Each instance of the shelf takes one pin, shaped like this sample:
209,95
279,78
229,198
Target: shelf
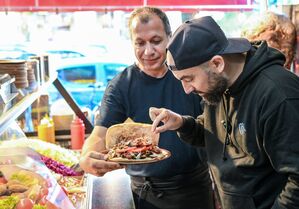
17,109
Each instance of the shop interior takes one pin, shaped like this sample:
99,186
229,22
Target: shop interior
65,53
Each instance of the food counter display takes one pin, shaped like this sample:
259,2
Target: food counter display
26,183
53,165
57,162
44,175
79,190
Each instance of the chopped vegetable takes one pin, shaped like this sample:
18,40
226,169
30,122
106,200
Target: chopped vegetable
139,148
59,167
65,156
9,202
34,192
38,206
24,178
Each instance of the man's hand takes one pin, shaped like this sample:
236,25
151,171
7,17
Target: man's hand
95,163
171,120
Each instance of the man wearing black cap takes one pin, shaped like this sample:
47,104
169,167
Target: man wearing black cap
251,115
181,181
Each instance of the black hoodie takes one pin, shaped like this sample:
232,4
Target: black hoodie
258,168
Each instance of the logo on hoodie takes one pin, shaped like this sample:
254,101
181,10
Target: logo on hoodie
242,129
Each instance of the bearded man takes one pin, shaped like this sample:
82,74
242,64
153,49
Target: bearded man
250,121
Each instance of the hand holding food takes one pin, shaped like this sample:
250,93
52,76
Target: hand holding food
95,163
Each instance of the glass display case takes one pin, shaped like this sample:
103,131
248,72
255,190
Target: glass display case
11,111
110,191
20,163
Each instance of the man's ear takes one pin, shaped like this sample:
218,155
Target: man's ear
217,63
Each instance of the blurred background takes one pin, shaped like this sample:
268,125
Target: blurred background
86,43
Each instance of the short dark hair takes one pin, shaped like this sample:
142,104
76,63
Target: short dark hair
144,13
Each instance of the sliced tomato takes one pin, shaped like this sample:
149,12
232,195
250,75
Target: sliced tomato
3,180
43,201
140,149
44,192
25,203
129,149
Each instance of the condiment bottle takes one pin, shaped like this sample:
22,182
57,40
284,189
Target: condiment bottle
46,130
77,133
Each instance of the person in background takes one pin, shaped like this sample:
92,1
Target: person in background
181,181
251,114
279,32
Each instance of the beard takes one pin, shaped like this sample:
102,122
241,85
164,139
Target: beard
217,86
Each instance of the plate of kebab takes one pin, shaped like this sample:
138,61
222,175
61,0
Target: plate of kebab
134,143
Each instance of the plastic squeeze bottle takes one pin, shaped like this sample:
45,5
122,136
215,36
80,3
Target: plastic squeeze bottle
46,130
77,133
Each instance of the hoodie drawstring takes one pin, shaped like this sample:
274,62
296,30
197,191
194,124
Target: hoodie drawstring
228,128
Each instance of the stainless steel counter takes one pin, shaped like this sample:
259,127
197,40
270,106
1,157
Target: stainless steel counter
111,191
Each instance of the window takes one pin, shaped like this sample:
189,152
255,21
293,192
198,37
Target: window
63,54
112,70
80,74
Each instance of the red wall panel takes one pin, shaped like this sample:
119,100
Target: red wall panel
89,3
17,3
195,2
75,5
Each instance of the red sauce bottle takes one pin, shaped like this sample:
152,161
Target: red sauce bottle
77,133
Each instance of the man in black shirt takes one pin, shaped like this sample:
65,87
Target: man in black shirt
181,181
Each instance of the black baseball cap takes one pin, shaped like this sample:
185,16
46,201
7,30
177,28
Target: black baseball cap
197,41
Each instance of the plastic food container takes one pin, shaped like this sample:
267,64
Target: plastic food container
29,181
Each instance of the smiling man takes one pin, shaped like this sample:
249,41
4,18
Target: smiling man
182,180
250,121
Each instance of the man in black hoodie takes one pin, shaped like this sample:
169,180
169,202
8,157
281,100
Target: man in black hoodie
250,123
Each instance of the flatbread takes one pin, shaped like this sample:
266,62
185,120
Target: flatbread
128,132
113,135
158,157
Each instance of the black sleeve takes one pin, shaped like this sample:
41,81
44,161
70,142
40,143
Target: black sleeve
281,142
112,110
192,130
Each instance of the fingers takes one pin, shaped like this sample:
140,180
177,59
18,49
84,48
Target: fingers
105,165
153,112
96,163
171,120
101,168
160,115
97,155
162,128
